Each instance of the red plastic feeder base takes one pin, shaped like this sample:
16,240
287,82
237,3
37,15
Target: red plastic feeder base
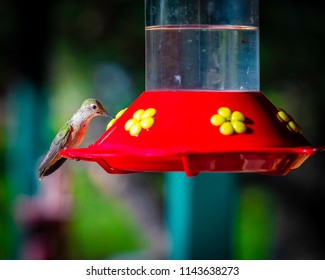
199,131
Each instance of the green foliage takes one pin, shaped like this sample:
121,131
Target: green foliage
101,226
255,225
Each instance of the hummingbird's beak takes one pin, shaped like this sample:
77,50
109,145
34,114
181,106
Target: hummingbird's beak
104,113
108,115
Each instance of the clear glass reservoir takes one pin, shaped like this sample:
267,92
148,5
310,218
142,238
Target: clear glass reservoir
209,44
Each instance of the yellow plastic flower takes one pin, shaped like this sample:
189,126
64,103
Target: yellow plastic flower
229,122
289,121
141,119
112,121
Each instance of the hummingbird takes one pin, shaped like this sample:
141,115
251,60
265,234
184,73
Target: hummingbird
70,135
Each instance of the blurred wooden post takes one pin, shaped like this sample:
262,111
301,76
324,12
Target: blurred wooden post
201,215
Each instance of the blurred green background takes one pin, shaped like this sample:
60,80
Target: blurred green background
55,54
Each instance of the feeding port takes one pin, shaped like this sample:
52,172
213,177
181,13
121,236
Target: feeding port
202,110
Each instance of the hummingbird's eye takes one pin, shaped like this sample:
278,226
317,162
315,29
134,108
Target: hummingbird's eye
94,107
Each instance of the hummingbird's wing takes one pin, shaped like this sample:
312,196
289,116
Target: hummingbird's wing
52,161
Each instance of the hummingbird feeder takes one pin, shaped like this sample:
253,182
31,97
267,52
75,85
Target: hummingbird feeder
202,110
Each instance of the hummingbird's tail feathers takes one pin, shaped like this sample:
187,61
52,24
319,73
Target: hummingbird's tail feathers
49,169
